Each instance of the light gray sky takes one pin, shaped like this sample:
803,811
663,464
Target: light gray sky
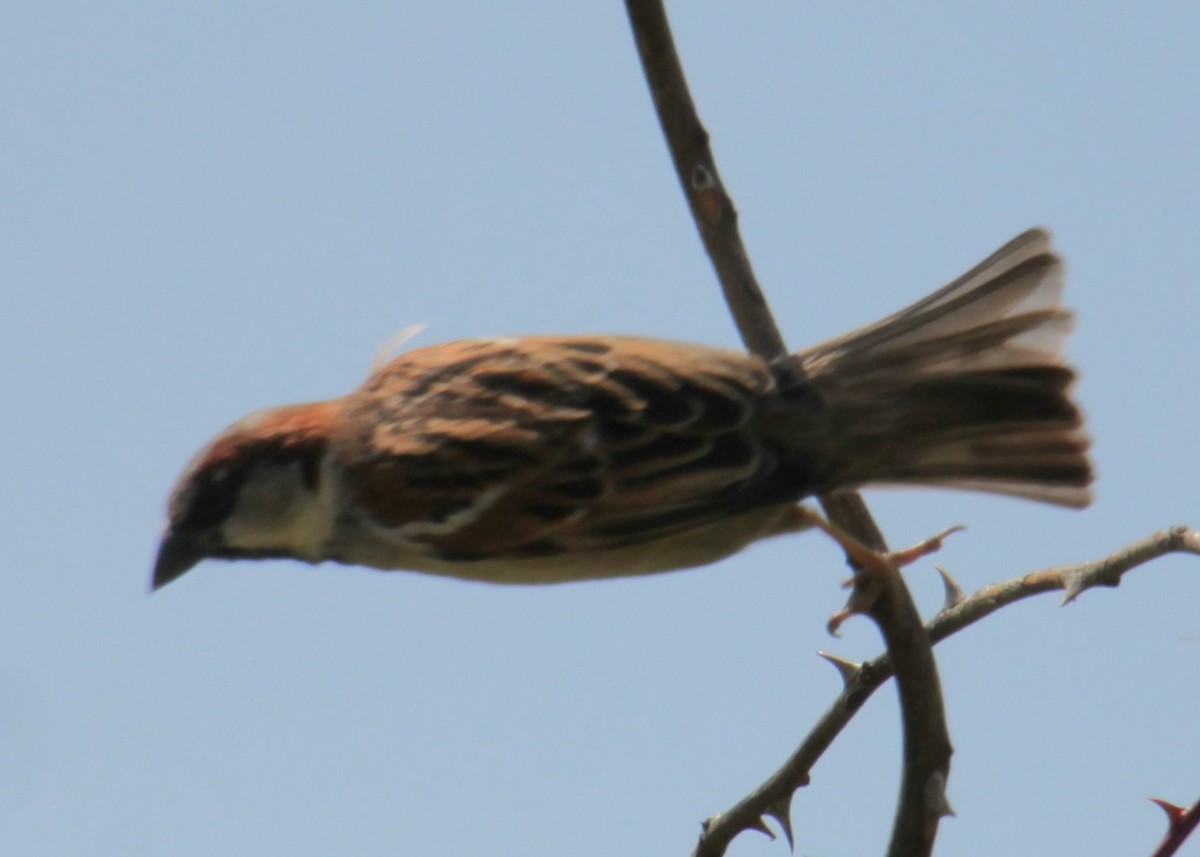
207,208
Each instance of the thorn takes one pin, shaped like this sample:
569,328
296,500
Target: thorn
935,796
1075,585
954,593
761,826
781,811
1174,812
847,669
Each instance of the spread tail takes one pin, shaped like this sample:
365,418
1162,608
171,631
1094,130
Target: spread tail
965,389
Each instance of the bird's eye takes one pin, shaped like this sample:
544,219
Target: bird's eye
206,500
310,472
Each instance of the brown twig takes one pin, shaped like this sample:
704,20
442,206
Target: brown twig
861,680
1071,579
712,209
926,740
927,747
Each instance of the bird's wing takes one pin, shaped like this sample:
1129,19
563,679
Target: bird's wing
542,446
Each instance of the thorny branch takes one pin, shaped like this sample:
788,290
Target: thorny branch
861,680
926,738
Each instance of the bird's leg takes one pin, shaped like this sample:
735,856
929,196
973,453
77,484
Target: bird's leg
862,557
868,564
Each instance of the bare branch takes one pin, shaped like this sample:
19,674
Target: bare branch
712,209
926,737
926,740
1071,579
861,683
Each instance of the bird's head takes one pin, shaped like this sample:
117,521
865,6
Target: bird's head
254,492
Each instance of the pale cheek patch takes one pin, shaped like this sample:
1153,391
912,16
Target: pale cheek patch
275,511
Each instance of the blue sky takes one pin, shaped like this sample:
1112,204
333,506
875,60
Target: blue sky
210,208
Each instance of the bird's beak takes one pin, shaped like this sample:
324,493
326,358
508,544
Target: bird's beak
177,553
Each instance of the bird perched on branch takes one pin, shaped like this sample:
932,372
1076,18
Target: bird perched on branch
558,458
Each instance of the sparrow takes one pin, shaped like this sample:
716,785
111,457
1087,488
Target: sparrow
547,459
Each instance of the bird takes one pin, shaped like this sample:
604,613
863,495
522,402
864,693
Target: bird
551,459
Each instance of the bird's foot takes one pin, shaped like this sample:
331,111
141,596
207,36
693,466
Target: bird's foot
870,566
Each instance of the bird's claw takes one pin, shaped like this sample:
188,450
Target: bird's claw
869,564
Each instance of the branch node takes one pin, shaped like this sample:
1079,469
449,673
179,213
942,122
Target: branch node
1185,539
702,178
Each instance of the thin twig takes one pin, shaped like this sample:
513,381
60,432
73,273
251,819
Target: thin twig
861,680
926,740
712,209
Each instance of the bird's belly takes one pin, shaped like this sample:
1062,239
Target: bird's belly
696,547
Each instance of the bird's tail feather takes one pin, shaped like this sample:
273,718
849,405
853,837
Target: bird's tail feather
966,388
